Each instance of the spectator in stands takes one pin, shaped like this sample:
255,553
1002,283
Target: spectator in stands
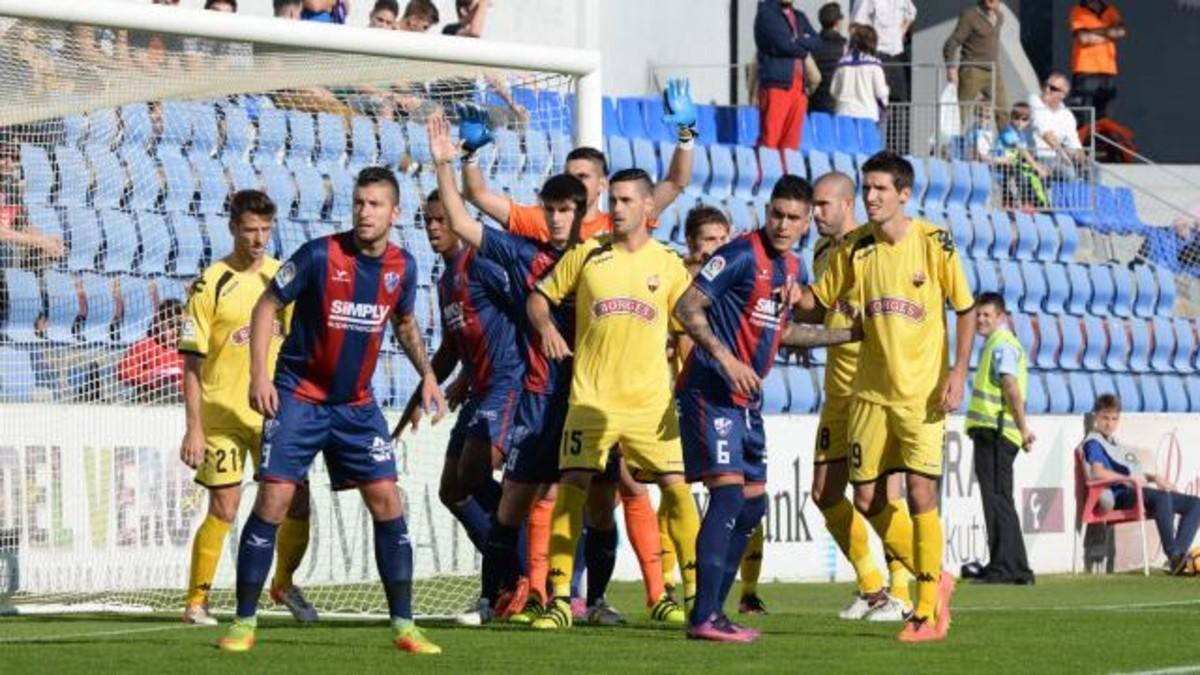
1013,155
859,86
1176,248
288,9
21,245
152,366
384,14
1101,452
227,6
1054,130
783,37
972,56
892,20
998,428
833,48
155,51
325,11
472,14
419,16
1096,26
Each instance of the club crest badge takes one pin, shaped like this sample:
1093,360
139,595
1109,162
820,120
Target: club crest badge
918,279
722,425
390,281
652,282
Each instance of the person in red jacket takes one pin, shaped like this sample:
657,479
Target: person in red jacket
152,366
783,37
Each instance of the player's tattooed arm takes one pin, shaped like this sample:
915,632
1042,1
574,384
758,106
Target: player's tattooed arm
412,343
690,310
428,393
800,336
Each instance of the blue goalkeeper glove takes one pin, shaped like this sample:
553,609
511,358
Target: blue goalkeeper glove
679,110
474,127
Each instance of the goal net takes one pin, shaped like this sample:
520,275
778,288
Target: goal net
120,146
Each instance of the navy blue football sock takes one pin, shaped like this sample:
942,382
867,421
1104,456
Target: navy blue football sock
752,514
256,550
523,549
712,547
498,556
600,551
580,565
394,560
487,495
474,520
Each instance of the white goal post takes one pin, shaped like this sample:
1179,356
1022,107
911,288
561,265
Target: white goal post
123,132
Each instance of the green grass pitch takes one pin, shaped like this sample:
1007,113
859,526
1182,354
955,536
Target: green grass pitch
1120,623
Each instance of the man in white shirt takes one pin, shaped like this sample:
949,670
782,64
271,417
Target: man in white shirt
891,20
1055,132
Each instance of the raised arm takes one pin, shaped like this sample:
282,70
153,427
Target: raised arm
691,310
473,128
444,153
679,111
264,399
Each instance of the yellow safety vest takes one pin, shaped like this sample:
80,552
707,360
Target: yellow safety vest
988,409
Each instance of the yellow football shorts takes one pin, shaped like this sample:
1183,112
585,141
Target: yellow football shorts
649,442
886,438
225,453
833,431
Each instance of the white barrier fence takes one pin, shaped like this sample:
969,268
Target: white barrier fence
94,499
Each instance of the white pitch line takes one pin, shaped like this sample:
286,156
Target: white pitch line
1174,670
67,636
1128,607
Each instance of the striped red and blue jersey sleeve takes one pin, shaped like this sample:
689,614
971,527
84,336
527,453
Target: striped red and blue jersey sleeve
479,313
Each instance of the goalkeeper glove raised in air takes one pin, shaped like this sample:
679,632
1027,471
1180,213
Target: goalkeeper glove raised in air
474,128
678,108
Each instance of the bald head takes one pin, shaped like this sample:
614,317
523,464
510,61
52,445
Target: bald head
833,204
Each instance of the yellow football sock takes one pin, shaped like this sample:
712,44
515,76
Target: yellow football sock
849,530
566,526
898,579
668,548
684,526
751,565
206,552
895,527
927,528
291,544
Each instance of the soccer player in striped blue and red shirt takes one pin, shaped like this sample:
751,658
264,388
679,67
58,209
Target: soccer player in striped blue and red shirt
479,330
736,313
345,288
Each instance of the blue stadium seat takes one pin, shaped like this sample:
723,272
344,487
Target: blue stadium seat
1022,327
539,161
981,184
1192,385
146,183
612,123
1012,284
794,163
84,237
62,306
629,110
960,183
1036,401
1185,346
972,276
111,180
290,235
176,124
137,309
1095,343
1146,291
1035,287
920,180
868,136
775,396
1081,289
846,131
418,142
1002,230
652,120
73,179
170,289
1139,345
101,308
272,135
561,145
342,188
721,162
302,137
16,375
392,144
982,236
1027,237
770,164
181,182
1175,397
189,245
1152,396
214,186
1058,287
1102,289
740,215
806,396
1103,383
1122,303
242,176
205,132
220,240
75,128
1070,357
1049,343
1117,359
24,305
1129,392
819,164
1163,345
747,171
1166,291
310,189
667,221
1048,238
939,185
823,134
1057,393
239,133
364,148
278,184
1126,211
137,129
749,125
620,154
38,174
156,242
120,240
1069,236
960,227
331,134
985,270
706,124
844,163
1082,393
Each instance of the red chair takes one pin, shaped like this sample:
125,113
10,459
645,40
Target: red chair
1087,501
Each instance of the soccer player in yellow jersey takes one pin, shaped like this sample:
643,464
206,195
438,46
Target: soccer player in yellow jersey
902,271
625,287
221,426
833,212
